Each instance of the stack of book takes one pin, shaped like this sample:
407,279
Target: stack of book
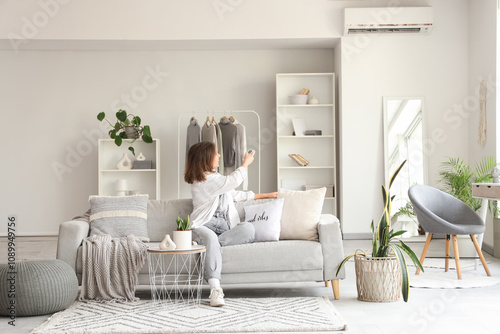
299,159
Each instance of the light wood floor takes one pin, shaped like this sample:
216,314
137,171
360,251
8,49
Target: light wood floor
428,310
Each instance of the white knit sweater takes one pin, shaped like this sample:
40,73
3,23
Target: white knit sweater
206,196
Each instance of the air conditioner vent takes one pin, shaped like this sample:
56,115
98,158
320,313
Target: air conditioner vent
388,20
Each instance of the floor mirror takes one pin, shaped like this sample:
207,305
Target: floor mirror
404,131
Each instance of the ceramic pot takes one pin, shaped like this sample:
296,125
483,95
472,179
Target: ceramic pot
183,239
167,243
124,163
131,132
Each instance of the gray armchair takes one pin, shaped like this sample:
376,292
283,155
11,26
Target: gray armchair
439,212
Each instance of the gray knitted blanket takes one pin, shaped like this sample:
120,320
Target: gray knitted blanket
110,267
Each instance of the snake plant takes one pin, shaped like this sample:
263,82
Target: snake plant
183,224
382,237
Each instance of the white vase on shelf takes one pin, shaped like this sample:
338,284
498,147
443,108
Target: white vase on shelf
141,157
125,163
167,243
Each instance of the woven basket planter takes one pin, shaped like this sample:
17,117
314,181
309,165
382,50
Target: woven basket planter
378,279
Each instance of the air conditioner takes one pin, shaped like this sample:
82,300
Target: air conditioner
388,20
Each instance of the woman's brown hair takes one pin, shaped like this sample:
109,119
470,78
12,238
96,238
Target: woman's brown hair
200,158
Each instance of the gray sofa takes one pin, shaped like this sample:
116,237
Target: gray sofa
264,262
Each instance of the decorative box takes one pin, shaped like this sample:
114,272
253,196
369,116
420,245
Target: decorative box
144,164
329,188
313,132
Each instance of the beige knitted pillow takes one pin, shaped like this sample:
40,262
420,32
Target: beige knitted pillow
301,213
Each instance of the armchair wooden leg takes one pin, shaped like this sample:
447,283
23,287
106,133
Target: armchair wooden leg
457,256
447,254
424,252
480,253
335,287
327,284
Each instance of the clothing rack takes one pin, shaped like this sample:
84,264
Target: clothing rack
201,116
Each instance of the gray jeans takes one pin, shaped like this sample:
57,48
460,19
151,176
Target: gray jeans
216,233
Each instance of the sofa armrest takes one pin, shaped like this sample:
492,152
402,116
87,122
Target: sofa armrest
71,235
330,238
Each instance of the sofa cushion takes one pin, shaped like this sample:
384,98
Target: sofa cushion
266,219
240,205
301,212
284,255
119,216
162,215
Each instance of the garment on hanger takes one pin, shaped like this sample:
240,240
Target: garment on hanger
241,131
208,132
220,150
193,135
230,143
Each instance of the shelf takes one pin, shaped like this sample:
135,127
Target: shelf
304,105
318,150
301,137
127,170
306,167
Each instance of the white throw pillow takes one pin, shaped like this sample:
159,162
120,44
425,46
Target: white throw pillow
301,213
266,219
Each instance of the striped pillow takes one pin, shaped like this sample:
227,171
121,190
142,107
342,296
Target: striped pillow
119,216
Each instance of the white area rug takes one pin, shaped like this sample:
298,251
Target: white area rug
439,279
439,263
307,314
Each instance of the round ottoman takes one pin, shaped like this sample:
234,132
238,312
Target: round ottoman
37,287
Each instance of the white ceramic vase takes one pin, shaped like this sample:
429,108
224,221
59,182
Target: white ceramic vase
141,157
183,239
167,243
124,163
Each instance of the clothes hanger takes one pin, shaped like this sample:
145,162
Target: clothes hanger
223,118
207,122
231,118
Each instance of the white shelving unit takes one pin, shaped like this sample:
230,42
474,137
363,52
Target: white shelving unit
318,150
145,181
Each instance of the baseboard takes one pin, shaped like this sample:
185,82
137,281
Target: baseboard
31,235
487,249
357,236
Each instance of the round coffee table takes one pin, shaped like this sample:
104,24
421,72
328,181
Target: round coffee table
176,275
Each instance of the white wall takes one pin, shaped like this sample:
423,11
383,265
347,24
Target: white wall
157,20
50,99
482,65
432,66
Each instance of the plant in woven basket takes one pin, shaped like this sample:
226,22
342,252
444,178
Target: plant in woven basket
383,237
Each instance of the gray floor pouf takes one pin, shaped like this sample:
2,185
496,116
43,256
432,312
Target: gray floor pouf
39,286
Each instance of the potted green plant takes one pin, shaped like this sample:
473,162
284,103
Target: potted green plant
408,211
183,235
457,177
127,127
383,276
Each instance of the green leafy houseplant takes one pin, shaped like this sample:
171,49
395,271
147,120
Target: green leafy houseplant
127,126
183,224
457,177
382,237
409,211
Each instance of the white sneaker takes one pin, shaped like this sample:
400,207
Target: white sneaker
217,297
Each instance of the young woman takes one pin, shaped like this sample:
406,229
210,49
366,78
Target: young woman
215,221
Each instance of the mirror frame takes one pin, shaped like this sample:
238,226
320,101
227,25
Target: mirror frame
385,136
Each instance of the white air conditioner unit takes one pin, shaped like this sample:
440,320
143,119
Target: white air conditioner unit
387,20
